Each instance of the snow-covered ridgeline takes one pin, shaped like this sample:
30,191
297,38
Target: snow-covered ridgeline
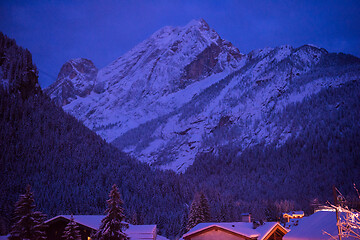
164,100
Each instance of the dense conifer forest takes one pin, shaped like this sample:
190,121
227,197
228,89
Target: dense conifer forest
71,169
325,153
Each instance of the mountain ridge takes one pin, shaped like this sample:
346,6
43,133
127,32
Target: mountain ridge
163,100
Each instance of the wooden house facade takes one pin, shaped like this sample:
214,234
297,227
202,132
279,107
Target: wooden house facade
236,231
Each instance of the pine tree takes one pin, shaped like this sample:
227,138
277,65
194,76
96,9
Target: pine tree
199,211
112,226
28,224
194,214
204,206
72,230
134,219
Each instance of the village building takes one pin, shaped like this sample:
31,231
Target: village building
293,215
314,227
236,231
89,224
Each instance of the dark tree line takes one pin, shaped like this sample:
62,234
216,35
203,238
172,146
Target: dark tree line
30,224
67,163
325,152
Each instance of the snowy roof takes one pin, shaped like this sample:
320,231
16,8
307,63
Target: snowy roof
312,227
91,221
94,222
158,237
241,228
141,231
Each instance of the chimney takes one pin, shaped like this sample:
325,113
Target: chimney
255,224
246,217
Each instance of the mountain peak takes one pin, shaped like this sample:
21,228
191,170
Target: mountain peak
175,58
76,78
199,23
194,30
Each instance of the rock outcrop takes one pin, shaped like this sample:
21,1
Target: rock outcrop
76,78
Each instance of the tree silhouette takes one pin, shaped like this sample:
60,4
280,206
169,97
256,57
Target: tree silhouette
72,230
28,224
112,226
199,211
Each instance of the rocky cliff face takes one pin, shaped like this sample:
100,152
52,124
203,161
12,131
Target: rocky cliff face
76,78
18,74
185,90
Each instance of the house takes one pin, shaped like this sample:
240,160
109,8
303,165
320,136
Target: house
314,226
88,224
292,215
235,231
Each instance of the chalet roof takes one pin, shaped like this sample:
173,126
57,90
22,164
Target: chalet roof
240,228
94,222
312,227
91,221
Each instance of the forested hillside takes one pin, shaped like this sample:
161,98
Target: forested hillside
303,170
70,168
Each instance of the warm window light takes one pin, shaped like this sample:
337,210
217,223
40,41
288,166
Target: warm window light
89,238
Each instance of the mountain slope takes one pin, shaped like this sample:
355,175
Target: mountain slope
163,100
70,168
247,98
324,153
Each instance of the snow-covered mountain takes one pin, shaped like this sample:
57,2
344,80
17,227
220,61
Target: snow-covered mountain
76,79
185,90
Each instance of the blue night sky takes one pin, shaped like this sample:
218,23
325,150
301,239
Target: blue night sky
56,31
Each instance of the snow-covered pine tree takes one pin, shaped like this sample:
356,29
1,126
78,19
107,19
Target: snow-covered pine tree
72,231
204,206
39,232
199,211
28,224
112,226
